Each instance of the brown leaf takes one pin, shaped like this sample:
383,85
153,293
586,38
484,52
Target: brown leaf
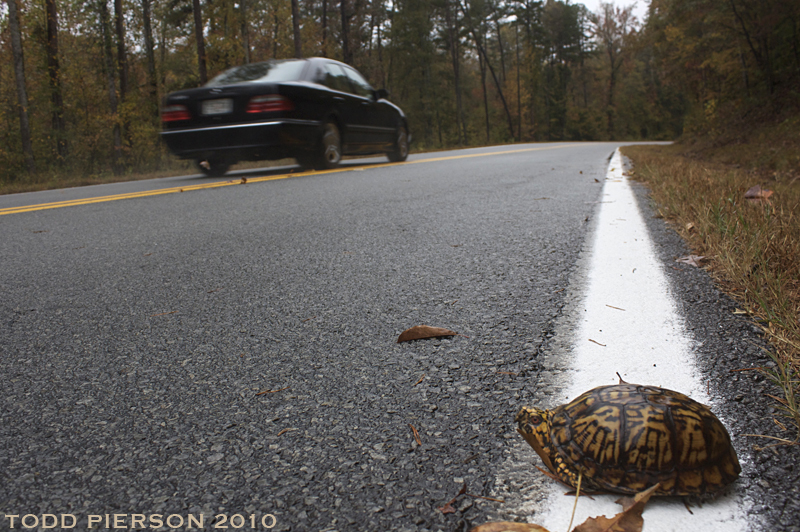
629,520
757,194
448,508
508,526
419,332
691,260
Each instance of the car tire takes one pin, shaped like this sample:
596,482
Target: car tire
330,147
399,152
213,168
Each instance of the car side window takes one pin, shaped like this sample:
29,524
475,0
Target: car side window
334,78
362,87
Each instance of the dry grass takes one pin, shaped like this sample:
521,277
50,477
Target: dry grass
752,248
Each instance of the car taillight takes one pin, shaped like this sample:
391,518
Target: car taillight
173,113
269,104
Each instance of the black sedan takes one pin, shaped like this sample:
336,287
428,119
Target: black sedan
315,110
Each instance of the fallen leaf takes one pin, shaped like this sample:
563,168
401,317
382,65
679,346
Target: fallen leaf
448,508
508,526
691,260
689,226
757,194
419,332
629,520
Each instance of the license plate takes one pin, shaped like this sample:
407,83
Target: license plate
218,107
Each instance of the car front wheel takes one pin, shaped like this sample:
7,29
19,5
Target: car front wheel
213,168
400,151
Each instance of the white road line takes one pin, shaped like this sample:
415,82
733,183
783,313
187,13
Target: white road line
628,309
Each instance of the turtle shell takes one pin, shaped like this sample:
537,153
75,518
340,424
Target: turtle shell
626,438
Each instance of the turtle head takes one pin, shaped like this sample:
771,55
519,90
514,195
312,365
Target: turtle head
534,425
533,421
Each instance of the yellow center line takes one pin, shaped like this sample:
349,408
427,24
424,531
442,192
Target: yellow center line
242,181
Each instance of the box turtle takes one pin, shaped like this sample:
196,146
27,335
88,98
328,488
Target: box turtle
626,438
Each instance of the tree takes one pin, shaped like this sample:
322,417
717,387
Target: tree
105,35
478,38
19,74
54,74
298,48
122,59
612,26
245,31
347,51
152,82
201,45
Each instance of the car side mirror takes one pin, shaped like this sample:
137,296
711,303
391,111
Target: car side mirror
381,94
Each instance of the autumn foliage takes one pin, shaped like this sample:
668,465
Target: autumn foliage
467,72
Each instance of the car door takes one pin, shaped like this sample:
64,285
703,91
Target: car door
376,129
348,106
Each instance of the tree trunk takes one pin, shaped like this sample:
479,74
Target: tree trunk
455,57
22,95
122,60
298,48
112,90
482,66
201,45
502,52
54,73
324,28
347,53
245,32
152,82
519,86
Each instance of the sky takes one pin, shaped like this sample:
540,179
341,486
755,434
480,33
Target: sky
639,11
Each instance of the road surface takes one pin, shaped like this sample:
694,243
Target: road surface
185,349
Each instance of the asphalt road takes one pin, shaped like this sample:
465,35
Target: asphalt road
138,334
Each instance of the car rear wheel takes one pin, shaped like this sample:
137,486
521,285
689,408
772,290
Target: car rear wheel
330,148
400,151
213,168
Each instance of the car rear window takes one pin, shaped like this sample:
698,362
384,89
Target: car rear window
271,71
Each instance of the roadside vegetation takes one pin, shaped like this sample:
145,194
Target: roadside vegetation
751,246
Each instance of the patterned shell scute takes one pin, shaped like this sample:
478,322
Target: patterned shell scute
628,437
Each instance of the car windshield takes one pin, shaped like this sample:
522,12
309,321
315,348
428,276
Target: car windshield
273,71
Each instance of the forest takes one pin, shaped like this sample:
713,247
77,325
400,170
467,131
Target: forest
81,80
